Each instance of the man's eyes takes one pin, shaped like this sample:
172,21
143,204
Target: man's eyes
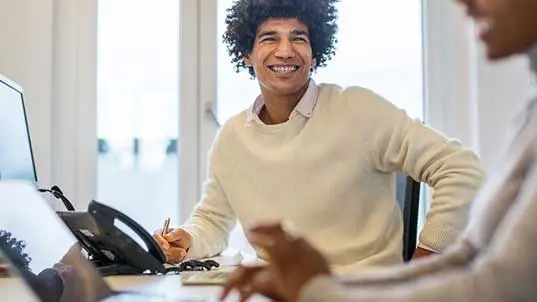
272,39
268,39
302,39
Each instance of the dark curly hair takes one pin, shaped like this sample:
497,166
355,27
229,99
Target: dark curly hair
245,16
14,250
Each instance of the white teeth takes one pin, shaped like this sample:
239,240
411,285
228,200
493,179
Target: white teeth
283,69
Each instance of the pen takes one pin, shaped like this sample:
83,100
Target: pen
166,226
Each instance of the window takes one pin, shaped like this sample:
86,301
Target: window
138,109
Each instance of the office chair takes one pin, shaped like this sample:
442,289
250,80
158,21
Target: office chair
408,196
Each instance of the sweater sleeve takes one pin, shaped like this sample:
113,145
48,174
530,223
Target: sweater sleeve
398,143
213,218
453,286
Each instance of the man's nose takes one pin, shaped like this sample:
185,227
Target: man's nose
285,49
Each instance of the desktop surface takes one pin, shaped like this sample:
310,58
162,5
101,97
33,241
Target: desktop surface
12,289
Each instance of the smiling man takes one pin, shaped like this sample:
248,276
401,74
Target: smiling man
318,156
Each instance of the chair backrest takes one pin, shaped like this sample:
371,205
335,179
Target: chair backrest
408,196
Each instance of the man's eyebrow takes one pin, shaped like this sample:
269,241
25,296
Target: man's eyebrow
296,32
266,33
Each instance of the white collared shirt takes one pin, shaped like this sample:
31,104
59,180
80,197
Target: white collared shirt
304,107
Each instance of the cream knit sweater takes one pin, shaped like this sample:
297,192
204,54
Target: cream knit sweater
331,176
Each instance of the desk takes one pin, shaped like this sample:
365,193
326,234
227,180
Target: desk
12,289
171,285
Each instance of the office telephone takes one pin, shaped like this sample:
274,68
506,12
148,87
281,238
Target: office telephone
103,233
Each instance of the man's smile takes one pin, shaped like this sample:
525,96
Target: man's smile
284,68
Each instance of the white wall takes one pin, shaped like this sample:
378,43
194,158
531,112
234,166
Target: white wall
469,98
26,54
43,50
502,91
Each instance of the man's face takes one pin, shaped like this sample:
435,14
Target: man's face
281,56
506,27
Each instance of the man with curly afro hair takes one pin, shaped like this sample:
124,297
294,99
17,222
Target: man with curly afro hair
244,18
320,157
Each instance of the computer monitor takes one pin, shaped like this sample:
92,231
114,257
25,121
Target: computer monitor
16,154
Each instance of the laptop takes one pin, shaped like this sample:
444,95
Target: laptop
43,252
16,155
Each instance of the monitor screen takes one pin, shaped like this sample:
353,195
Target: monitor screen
16,157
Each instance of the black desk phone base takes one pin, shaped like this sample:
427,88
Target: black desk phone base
114,252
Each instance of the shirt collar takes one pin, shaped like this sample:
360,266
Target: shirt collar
304,107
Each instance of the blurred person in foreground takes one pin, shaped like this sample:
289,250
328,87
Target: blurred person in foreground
495,259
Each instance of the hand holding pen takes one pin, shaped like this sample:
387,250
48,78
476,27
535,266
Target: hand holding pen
174,242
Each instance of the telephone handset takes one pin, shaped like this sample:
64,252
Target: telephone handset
110,249
126,248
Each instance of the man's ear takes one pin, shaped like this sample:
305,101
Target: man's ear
247,61
313,63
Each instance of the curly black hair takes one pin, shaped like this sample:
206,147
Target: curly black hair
245,16
14,250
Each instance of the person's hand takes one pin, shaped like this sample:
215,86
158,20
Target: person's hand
293,261
249,280
174,244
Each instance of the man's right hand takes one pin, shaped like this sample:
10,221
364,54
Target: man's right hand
174,244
